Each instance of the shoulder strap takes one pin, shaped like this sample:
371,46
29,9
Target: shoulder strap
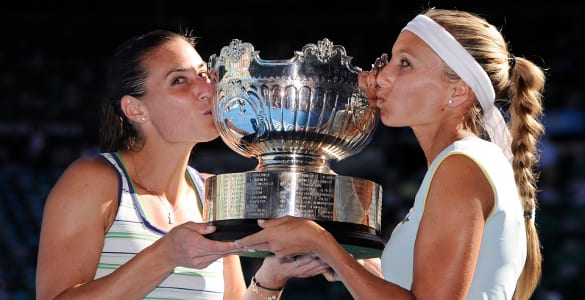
114,159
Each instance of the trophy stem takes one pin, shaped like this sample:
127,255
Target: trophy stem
295,162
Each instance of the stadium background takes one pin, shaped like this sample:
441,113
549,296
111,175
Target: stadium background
52,56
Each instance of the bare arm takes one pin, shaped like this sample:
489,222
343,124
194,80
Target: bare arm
373,265
233,278
274,273
449,237
445,252
78,211
306,236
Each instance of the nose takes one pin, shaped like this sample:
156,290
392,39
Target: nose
205,91
384,78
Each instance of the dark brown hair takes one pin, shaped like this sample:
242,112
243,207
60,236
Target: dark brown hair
126,75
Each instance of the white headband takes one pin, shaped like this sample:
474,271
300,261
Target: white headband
469,70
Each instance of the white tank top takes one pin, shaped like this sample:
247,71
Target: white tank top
503,246
131,232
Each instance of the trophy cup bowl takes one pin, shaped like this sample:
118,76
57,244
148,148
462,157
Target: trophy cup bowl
295,116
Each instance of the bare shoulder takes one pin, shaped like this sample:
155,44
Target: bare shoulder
459,179
87,186
459,169
89,171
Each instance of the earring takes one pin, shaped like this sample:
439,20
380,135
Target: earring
450,101
142,119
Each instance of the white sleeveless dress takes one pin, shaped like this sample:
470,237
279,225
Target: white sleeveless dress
503,246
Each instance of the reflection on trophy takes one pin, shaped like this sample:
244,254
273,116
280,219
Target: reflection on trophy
295,117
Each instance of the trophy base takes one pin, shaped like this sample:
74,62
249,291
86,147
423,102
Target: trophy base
359,240
348,207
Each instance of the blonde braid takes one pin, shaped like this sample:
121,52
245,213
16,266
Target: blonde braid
526,108
522,82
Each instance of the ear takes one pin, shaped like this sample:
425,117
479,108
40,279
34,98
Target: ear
461,93
134,109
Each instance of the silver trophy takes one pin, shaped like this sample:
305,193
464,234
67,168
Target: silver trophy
295,117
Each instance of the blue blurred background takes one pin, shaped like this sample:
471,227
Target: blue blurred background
52,59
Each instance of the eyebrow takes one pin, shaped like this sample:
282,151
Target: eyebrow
181,69
175,70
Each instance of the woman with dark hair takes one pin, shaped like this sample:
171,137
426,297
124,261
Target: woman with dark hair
127,223
470,233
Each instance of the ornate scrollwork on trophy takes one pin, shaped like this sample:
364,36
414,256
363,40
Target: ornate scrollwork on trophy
324,50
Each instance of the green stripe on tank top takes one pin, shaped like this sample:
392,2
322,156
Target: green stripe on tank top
125,235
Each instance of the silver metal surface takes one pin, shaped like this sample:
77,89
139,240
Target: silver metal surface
310,105
295,116
317,196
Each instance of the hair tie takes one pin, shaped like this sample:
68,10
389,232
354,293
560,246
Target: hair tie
511,61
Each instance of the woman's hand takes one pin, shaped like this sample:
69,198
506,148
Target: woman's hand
187,246
276,271
286,236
